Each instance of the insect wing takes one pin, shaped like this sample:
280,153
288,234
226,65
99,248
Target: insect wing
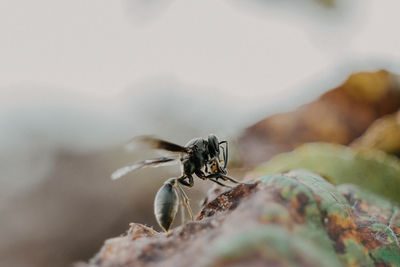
157,144
157,162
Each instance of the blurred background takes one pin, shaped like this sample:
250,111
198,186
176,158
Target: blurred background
80,78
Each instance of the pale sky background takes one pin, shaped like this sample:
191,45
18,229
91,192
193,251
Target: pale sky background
89,74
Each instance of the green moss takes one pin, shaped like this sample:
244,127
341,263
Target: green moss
325,199
389,254
356,254
372,170
275,243
274,211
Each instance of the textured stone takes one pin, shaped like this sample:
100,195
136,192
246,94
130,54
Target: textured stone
289,219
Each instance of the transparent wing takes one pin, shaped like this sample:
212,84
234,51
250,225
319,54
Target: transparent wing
157,162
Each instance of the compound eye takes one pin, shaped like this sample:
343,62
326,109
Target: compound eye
213,147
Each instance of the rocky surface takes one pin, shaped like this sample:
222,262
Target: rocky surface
383,134
370,169
288,219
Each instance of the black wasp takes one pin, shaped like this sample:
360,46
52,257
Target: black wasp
205,158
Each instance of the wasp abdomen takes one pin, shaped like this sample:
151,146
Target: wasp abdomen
166,204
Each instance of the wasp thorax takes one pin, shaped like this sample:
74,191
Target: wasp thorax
166,204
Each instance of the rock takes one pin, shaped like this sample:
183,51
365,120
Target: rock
373,170
338,116
383,134
289,219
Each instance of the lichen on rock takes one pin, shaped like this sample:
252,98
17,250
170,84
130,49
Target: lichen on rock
373,170
288,219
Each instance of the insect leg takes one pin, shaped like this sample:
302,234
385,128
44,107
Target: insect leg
190,183
222,176
206,168
182,181
221,184
200,174
182,206
186,202
226,177
210,177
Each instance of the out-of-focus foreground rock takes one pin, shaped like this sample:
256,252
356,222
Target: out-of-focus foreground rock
289,219
338,116
383,134
373,170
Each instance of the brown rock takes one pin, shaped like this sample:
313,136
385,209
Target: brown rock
383,134
338,116
291,219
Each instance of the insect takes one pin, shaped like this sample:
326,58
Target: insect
205,158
